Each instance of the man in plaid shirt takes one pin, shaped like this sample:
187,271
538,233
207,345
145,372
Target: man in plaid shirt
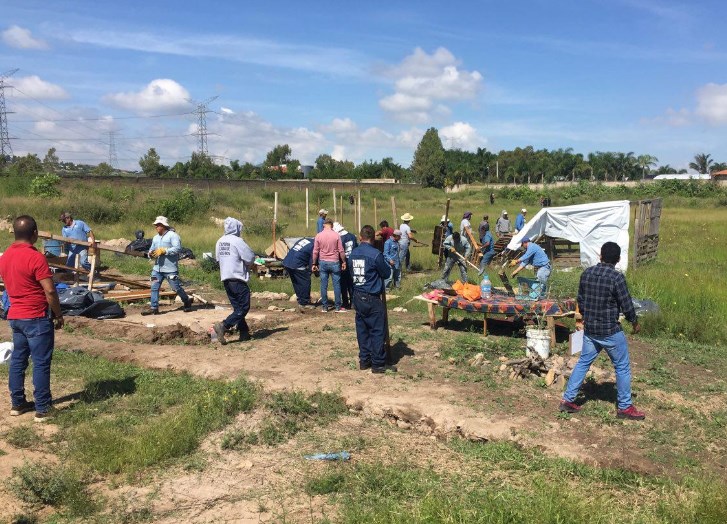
602,295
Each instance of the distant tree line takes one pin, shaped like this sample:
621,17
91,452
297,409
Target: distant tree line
432,166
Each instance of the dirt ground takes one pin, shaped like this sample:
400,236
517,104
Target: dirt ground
426,401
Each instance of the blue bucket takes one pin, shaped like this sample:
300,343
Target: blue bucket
53,247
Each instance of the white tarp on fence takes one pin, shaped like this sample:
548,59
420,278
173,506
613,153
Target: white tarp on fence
591,225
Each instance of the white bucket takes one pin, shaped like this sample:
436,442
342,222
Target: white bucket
538,340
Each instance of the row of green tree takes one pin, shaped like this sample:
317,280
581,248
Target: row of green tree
432,166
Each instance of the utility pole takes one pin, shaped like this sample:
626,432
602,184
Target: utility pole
201,112
6,150
113,159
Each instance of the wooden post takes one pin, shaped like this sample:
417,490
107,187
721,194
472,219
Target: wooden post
76,265
307,215
387,337
92,256
393,210
376,218
446,221
431,308
335,211
340,201
358,203
275,222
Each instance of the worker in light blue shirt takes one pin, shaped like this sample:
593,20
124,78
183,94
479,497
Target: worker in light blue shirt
520,220
535,256
488,248
321,218
79,230
391,256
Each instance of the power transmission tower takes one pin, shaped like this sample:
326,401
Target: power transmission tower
113,159
201,112
6,150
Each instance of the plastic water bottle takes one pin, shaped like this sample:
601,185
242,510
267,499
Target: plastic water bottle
486,287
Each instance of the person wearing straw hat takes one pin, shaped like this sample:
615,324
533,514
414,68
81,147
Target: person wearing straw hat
520,220
321,219
406,238
165,248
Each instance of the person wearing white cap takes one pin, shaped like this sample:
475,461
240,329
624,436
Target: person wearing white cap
502,226
520,220
321,218
447,225
349,243
406,238
165,248
236,259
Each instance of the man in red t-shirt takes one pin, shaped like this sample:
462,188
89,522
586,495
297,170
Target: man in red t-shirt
385,232
29,283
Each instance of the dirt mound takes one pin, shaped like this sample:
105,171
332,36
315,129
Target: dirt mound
117,242
139,334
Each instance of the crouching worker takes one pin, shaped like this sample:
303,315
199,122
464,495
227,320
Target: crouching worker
369,270
165,247
235,258
298,265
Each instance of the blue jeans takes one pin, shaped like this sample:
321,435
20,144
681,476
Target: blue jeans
618,351
543,274
238,293
300,278
82,254
156,283
32,338
333,269
403,261
394,277
370,328
488,255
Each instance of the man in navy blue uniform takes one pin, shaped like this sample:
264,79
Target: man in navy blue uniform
297,263
369,270
349,243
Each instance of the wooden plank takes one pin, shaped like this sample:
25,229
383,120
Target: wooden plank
104,276
104,247
432,315
140,296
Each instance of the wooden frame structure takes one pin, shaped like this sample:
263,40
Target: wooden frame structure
647,218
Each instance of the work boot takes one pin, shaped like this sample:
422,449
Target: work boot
188,305
43,416
363,366
150,311
630,413
219,330
245,337
384,369
25,407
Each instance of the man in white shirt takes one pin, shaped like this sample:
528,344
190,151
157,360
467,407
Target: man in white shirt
406,238
235,258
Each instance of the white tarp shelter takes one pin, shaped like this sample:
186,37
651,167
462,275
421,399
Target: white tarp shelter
591,225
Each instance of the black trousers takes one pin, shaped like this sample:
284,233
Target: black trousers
238,293
346,287
300,278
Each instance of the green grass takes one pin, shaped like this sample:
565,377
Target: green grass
23,437
507,484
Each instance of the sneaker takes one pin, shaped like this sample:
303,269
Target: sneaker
569,407
25,407
44,415
150,311
324,309
188,305
341,310
630,413
245,337
219,330
363,366
384,369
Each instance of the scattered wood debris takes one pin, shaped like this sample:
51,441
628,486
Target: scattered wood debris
554,370
269,295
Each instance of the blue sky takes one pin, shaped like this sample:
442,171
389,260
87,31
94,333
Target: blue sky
365,80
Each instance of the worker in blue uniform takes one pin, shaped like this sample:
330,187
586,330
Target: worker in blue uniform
298,264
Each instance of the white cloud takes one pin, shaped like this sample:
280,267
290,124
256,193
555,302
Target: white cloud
35,87
162,94
21,38
227,110
712,103
422,81
461,135
340,125
269,53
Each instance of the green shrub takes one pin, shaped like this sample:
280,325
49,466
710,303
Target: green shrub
181,206
46,484
15,186
45,185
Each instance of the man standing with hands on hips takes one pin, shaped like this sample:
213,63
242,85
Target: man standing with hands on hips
369,270
235,258
602,296
34,312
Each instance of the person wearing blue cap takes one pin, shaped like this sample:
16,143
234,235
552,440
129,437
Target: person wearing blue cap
536,256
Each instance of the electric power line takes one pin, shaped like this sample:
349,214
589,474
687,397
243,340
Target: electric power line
6,149
201,112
